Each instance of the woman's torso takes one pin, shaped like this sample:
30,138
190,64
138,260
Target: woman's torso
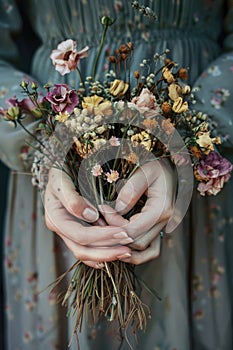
189,28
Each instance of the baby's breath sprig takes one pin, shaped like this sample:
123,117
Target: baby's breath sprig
145,10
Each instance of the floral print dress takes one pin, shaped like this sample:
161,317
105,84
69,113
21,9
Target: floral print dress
194,274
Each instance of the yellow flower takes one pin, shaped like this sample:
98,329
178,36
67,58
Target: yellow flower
81,148
143,138
174,91
62,117
206,142
168,76
179,106
97,106
118,88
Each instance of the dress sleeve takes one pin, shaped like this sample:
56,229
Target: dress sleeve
215,89
11,138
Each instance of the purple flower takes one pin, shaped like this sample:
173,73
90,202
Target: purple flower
212,172
62,98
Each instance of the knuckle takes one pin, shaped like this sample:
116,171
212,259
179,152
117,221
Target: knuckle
71,205
139,245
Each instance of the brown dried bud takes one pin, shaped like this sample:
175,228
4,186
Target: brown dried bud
136,74
112,59
123,49
166,108
169,63
124,56
183,73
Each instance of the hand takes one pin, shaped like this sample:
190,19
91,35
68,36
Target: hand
77,222
158,180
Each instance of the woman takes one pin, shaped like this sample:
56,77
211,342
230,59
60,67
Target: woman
189,275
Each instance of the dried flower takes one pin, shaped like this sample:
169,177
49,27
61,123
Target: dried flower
113,176
142,138
146,103
167,75
97,105
96,170
213,171
114,141
82,148
136,74
62,98
118,88
112,59
206,142
183,73
174,91
166,108
62,117
179,106
66,58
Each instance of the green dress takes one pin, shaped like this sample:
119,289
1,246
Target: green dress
194,273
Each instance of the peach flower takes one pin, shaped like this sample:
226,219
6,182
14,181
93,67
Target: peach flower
146,103
66,57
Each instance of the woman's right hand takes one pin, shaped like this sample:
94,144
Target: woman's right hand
78,223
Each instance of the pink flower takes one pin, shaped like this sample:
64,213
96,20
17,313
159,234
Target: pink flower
213,172
113,176
114,141
62,98
146,103
96,170
66,58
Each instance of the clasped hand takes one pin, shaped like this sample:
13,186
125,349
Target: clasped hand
94,236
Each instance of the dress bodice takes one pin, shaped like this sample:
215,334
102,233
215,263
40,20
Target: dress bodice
56,19
189,28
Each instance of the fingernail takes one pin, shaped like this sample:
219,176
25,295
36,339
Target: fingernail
120,235
90,214
124,256
126,241
120,206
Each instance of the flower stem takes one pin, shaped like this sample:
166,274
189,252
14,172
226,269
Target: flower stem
99,51
80,76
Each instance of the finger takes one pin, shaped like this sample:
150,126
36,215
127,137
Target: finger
63,188
59,220
158,172
141,239
131,192
152,252
158,207
97,254
111,216
144,241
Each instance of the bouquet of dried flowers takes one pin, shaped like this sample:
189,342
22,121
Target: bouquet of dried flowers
99,133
